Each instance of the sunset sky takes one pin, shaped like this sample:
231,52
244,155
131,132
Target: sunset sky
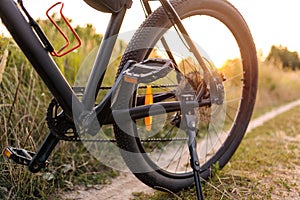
270,21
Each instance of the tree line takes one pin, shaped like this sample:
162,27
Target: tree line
283,57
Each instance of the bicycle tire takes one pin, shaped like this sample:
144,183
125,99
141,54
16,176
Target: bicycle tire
132,148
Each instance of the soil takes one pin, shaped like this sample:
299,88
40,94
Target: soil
121,187
124,185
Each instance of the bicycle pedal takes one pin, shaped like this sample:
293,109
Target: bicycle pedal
18,155
148,70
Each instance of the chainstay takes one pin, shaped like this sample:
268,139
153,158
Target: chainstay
80,90
114,140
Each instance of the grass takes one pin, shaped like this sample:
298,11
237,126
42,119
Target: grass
23,103
275,87
70,163
266,166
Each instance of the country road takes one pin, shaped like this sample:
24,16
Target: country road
124,185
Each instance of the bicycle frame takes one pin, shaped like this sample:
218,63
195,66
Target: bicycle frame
73,108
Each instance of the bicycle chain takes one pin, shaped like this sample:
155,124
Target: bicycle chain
65,130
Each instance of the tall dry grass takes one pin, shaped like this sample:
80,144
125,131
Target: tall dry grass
23,103
21,108
275,87
3,63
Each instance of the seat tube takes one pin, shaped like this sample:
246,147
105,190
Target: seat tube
102,60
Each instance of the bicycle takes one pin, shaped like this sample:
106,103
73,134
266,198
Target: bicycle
203,112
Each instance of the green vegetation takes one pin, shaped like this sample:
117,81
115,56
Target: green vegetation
266,166
23,103
275,87
284,58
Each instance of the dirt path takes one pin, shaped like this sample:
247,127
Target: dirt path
266,117
124,185
121,188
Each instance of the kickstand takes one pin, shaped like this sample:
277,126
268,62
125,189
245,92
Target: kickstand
188,115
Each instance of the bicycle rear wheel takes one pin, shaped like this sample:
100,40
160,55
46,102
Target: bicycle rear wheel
157,152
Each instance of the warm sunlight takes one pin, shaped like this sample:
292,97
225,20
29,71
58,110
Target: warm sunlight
266,25
151,113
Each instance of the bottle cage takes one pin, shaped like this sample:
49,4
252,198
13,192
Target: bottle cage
65,49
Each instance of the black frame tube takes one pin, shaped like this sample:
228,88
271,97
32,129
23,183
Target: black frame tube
102,60
143,111
175,19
